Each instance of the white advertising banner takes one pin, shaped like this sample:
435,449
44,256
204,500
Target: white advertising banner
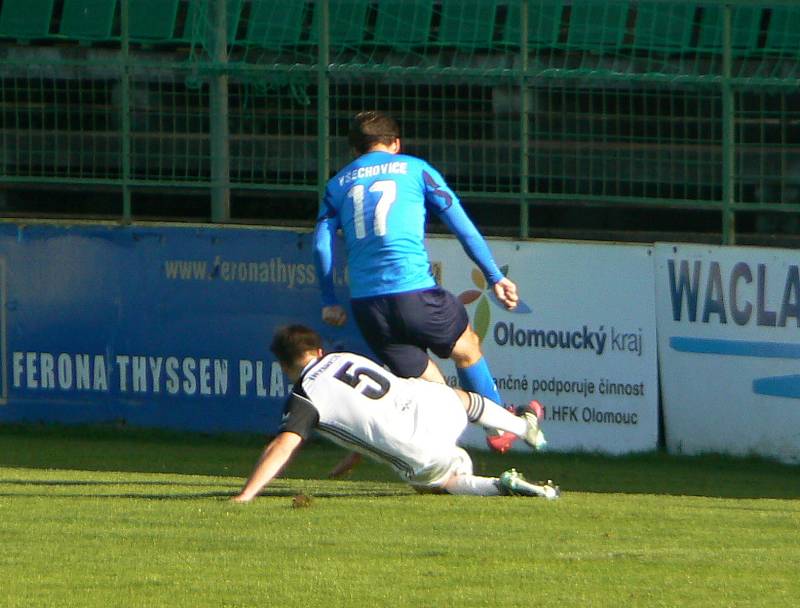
729,344
582,342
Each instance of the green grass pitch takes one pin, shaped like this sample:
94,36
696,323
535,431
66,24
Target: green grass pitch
103,517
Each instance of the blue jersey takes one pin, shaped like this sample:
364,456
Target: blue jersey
380,201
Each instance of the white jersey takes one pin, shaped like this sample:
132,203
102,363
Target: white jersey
410,424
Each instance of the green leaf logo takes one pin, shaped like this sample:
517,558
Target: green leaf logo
483,294
481,320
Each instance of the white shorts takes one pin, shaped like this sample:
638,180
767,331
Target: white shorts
441,420
457,462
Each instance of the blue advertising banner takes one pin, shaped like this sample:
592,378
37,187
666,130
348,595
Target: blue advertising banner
153,326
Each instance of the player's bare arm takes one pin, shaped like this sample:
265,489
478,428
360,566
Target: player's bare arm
273,459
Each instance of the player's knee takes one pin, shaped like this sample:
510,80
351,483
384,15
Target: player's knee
467,349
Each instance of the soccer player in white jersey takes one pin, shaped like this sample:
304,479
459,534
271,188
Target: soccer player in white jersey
410,424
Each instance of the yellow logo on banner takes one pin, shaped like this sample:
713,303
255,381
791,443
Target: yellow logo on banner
482,316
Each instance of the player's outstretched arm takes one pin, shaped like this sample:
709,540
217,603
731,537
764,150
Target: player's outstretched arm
273,459
506,291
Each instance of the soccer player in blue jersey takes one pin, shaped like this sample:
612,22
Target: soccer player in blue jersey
380,201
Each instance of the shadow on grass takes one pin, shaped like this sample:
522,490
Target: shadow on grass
132,496
201,495
709,475
69,482
232,456
343,490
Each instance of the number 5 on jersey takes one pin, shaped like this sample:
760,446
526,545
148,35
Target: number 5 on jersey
388,195
356,377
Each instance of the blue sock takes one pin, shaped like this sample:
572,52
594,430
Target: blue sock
478,379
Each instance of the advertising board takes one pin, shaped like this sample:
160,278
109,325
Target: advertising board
154,326
582,342
729,342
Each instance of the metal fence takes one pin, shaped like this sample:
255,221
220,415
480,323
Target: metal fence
649,104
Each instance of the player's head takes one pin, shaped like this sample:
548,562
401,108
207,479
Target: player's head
294,345
371,129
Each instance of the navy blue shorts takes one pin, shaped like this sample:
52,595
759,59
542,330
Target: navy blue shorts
401,328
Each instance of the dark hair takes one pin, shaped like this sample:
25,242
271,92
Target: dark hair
291,342
370,128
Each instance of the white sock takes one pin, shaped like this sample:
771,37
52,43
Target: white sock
472,485
490,415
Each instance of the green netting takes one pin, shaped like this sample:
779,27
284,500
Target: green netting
646,39
768,156
402,24
59,128
169,128
622,142
622,101
273,136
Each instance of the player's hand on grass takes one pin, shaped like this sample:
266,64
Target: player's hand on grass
506,291
334,315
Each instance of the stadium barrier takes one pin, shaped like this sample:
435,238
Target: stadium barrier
158,326
170,327
729,340
167,326
582,341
